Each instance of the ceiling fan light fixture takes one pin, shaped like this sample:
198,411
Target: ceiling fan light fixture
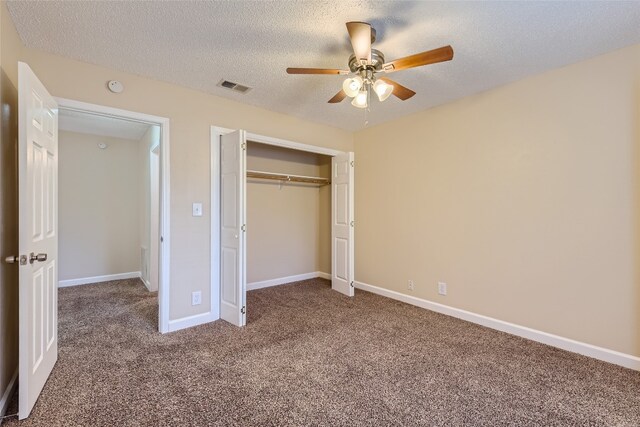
352,86
360,100
382,89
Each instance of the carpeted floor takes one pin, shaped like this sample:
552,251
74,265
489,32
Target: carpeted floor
310,356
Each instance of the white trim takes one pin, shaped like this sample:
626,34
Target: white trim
600,353
323,275
72,104
164,276
290,144
147,284
282,280
191,321
98,279
8,393
165,192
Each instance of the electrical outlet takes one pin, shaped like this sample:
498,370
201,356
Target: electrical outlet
197,209
196,298
442,288
411,285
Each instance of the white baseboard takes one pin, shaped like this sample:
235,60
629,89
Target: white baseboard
282,280
8,393
323,275
600,353
147,284
97,279
190,321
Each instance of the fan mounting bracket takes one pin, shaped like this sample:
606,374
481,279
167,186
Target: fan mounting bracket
377,59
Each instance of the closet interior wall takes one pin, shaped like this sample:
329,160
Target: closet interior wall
288,224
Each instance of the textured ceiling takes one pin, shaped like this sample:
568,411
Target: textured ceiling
196,44
94,124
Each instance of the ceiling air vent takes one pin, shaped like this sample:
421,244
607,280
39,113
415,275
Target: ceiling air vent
234,86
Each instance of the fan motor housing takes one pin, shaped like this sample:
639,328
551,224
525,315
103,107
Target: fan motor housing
377,59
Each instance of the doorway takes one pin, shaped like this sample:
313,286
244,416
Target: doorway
149,256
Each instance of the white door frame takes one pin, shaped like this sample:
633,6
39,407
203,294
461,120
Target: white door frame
216,132
165,246
154,216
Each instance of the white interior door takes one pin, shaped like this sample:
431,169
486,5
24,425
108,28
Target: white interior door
233,227
38,236
342,208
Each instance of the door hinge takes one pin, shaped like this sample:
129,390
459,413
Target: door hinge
244,227
244,145
352,164
353,223
351,284
161,239
243,310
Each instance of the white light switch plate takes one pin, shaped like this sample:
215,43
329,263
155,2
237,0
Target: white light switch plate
197,209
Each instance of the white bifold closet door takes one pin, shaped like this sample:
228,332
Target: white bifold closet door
342,214
233,227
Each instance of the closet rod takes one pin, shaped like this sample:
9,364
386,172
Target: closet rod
287,177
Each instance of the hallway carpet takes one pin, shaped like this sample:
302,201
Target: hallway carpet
310,356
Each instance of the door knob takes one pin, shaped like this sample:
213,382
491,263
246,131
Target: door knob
15,259
40,257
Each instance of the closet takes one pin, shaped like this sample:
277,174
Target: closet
288,215
285,214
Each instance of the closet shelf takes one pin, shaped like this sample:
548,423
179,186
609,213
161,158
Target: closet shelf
287,177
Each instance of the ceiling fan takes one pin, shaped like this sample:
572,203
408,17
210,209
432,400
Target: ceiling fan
366,62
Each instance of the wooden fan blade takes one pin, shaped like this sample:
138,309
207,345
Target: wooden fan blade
338,97
360,35
400,91
316,71
425,58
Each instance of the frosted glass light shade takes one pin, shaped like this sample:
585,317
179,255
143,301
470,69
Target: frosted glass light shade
360,100
382,89
351,86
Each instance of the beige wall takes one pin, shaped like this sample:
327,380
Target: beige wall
191,114
285,223
524,200
98,206
323,258
9,48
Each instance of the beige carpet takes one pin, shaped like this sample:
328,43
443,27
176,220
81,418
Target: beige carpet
310,356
